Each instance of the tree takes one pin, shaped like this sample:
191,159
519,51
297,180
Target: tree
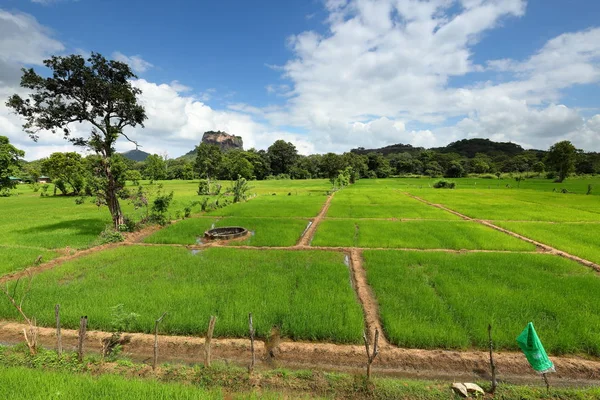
98,92
234,165
155,168
9,162
208,159
283,156
561,157
66,167
379,164
260,163
455,170
134,176
331,165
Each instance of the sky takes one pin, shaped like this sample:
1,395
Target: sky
326,75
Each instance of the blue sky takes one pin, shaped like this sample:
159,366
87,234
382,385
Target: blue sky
330,75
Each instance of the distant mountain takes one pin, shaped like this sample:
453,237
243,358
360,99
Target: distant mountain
136,155
470,147
466,148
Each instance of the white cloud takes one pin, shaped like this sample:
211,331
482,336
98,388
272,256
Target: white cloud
388,62
137,63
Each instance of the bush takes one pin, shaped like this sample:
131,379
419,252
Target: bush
551,175
110,235
444,184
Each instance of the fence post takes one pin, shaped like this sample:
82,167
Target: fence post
492,363
81,338
209,334
58,333
252,332
371,356
158,321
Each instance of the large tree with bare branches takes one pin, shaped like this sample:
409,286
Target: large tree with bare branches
96,91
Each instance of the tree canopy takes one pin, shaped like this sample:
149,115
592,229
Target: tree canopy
97,92
9,163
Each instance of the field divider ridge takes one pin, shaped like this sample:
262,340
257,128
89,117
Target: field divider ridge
542,246
365,296
421,363
310,232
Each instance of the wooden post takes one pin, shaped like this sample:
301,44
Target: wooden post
492,363
546,381
81,338
58,333
371,356
209,334
252,362
158,321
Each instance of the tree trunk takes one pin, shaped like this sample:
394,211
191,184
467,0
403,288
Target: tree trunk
112,201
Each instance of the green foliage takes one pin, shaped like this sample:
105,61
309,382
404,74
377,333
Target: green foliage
444,184
9,163
239,189
282,156
160,206
110,235
67,171
122,320
561,157
134,176
208,160
111,104
155,167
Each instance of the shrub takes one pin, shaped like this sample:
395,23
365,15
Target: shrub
444,184
110,235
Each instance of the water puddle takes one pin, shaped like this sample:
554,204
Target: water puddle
306,229
199,240
195,251
252,233
346,260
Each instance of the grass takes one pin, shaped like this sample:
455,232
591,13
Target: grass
44,375
578,239
357,203
441,300
275,206
29,384
515,205
415,234
307,294
272,232
16,258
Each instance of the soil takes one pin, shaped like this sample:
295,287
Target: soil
310,232
365,296
392,361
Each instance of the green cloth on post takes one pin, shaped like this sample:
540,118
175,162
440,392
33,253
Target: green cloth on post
531,345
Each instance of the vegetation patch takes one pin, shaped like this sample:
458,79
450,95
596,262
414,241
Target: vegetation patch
276,206
16,258
441,300
582,240
455,235
273,232
368,203
307,295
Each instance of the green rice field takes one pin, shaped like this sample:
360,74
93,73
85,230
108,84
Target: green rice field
442,300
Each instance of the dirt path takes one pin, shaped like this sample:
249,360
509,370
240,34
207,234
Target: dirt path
393,361
366,297
543,247
310,232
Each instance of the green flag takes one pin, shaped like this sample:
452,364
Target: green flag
531,345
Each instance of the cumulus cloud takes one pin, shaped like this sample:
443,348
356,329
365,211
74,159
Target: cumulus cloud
137,63
393,60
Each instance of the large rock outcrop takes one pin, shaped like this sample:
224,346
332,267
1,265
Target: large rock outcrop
224,140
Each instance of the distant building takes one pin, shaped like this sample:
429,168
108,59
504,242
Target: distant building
15,179
44,179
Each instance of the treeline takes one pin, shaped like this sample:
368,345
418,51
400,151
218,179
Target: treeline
74,174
